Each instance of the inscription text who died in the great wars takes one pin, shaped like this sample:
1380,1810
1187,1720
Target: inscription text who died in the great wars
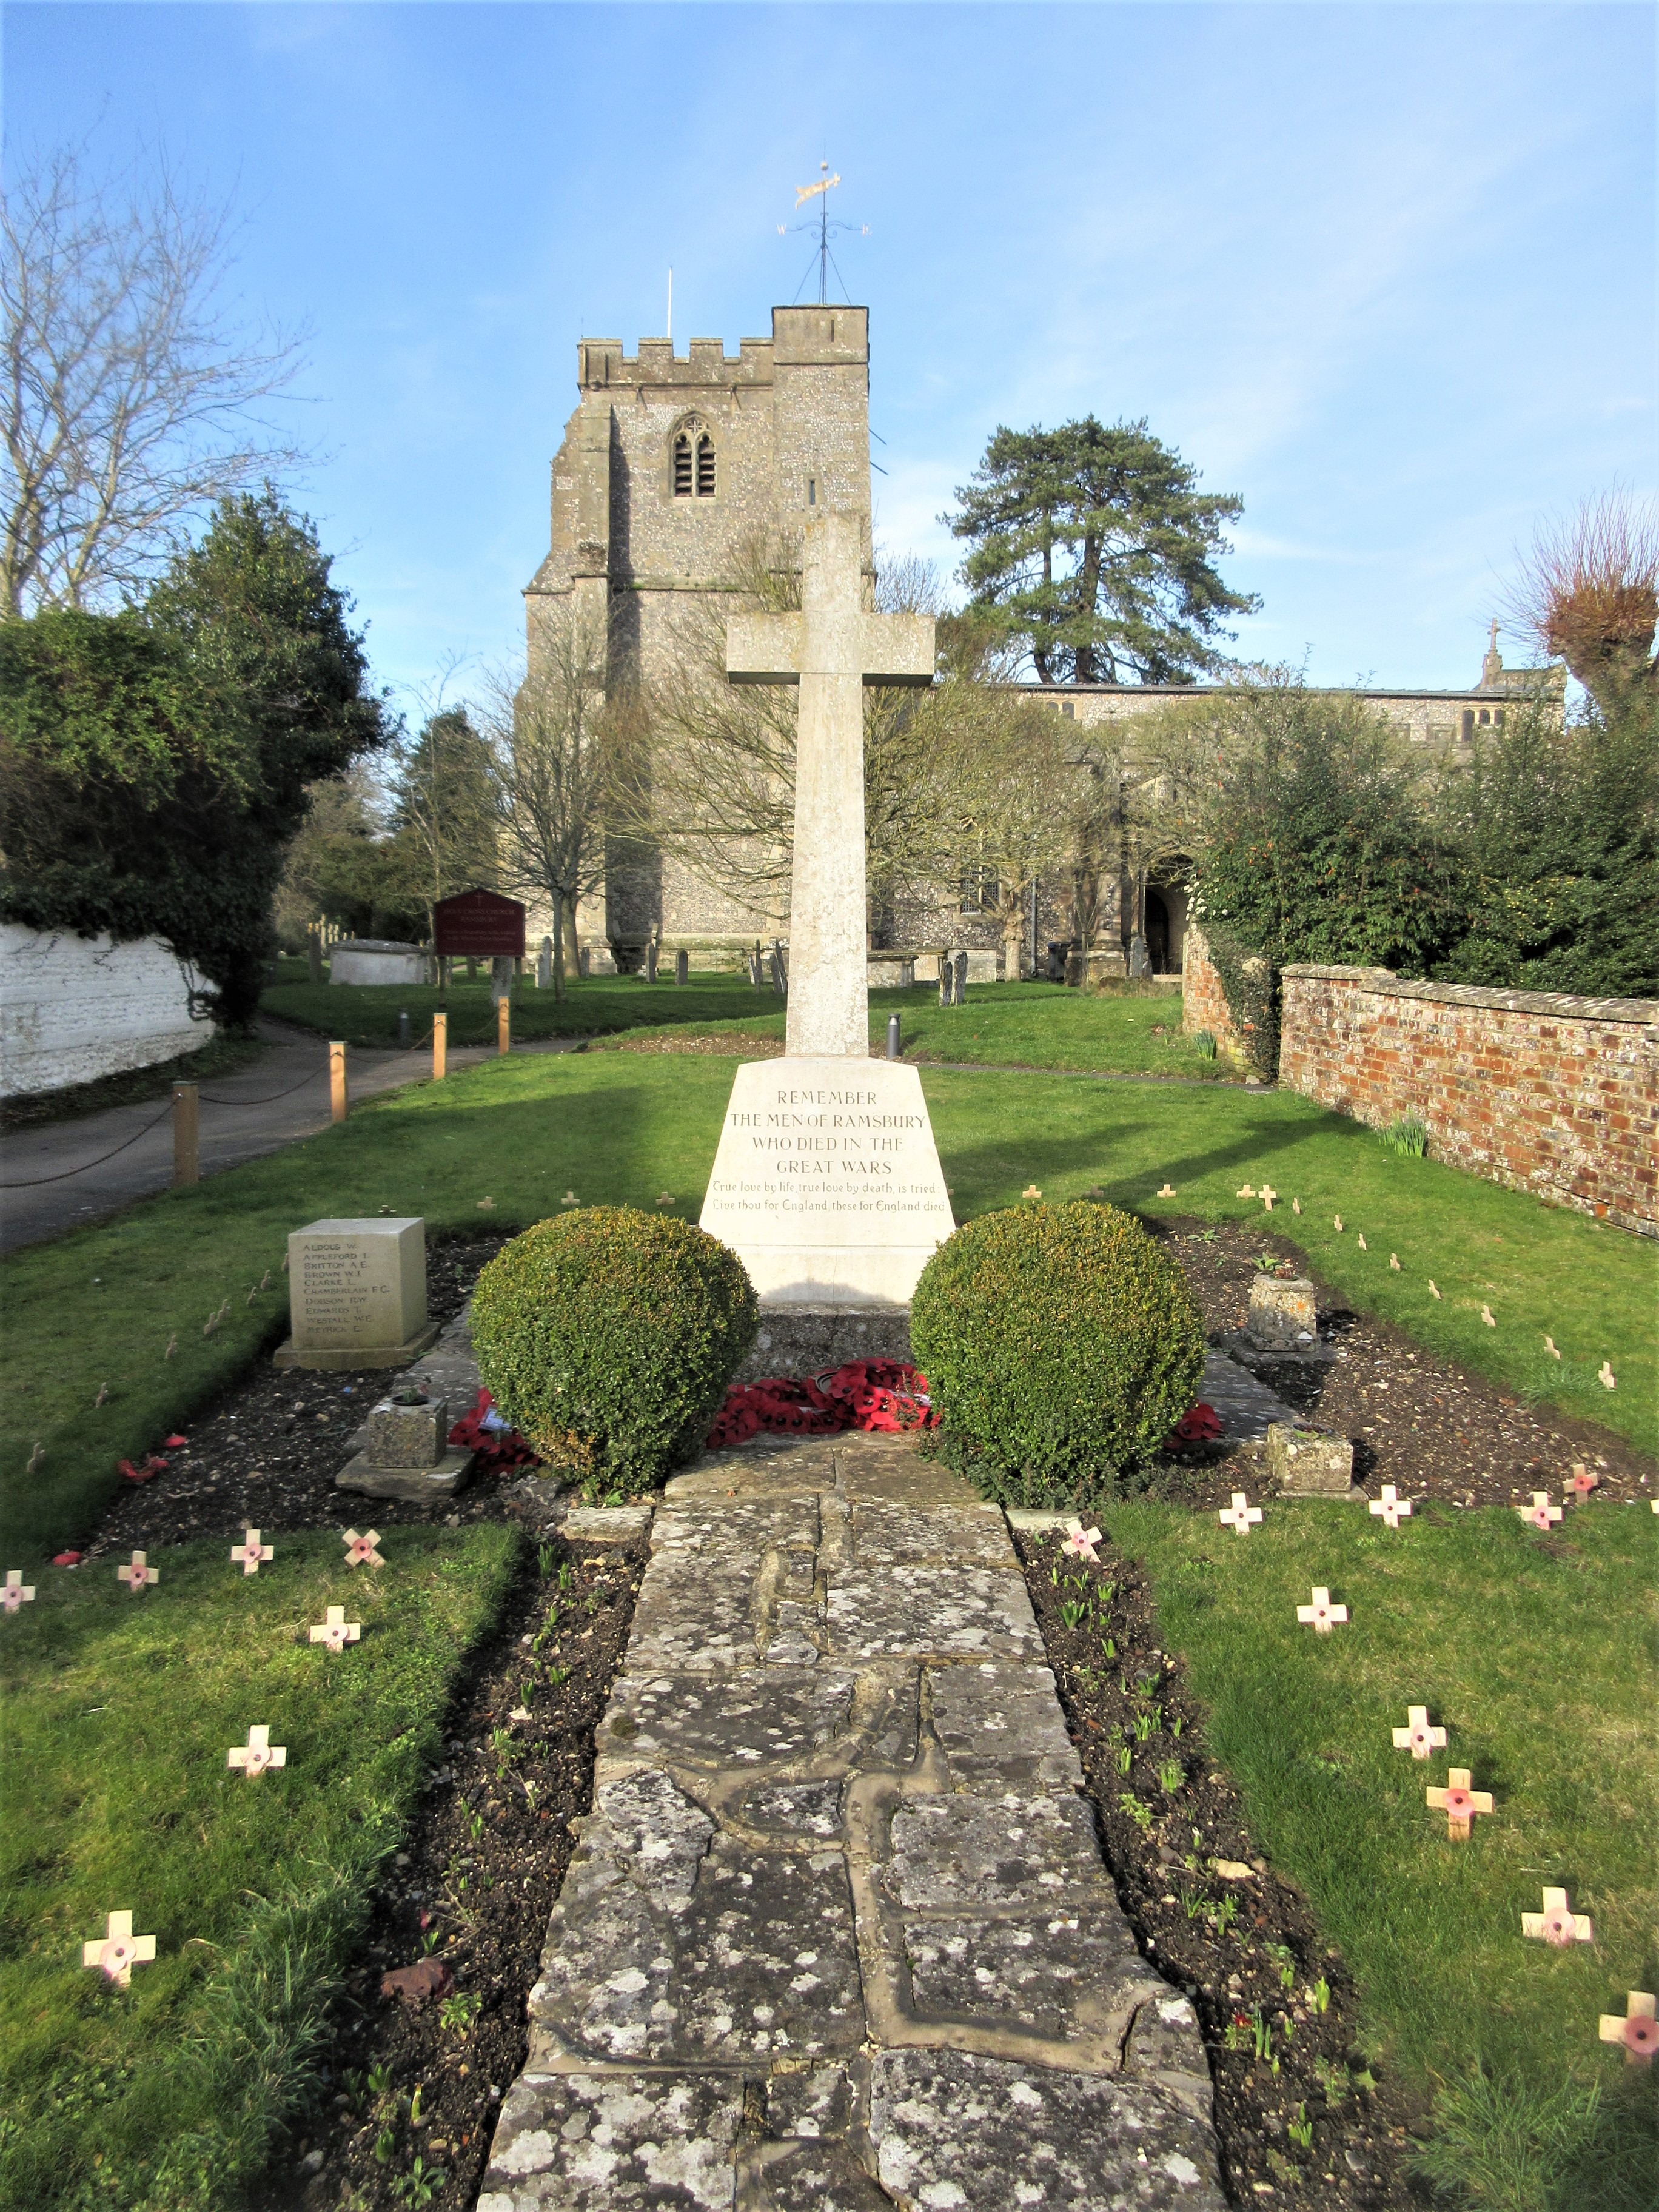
830,1151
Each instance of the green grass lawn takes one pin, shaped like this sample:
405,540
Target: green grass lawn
366,1014
98,1306
1538,1655
119,1714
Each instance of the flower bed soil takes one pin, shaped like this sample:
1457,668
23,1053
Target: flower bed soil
469,1893
1243,1945
1426,1425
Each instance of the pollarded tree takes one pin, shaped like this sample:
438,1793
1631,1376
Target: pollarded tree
1589,593
1095,551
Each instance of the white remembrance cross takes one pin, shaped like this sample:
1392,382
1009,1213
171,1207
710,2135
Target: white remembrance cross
832,648
827,1183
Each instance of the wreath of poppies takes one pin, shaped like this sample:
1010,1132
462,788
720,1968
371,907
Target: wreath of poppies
497,1443
877,1394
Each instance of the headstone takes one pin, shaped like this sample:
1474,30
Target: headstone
1459,1802
651,960
1282,1316
754,960
827,1182
1321,1616
1308,1465
1139,959
544,966
257,1755
682,966
780,966
357,1294
585,961
406,1452
960,966
118,1951
500,978
947,980
1417,1736
314,957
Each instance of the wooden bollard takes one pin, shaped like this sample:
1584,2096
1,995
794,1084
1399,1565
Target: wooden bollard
337,1079
503,1025
440,1046
186,1135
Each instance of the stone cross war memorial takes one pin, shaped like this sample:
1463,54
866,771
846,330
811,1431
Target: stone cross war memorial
827,1182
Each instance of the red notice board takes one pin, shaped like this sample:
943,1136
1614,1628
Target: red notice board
478,925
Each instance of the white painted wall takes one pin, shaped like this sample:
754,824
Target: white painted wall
74,1008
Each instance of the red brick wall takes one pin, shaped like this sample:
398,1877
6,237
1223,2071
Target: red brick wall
1203,1001
1556,1096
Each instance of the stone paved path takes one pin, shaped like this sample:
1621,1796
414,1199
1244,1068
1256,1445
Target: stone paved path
837,1933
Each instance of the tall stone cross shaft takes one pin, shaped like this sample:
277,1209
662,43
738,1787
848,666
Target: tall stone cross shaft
832,648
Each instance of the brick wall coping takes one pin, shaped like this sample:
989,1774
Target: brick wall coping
1642,1012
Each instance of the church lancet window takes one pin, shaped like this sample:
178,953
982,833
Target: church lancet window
692,462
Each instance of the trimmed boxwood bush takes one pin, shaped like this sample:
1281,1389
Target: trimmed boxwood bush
607,1337
1061,1347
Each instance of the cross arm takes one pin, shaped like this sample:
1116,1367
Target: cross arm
898,649
764,648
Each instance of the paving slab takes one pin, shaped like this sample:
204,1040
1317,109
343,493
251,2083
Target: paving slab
837,1933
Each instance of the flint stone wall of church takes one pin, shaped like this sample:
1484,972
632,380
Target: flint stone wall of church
1544,1093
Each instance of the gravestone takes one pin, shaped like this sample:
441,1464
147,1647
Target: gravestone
827,1183
754,960
501,977
357,1294
1139,960
1282,1315
780,969
1308,1465
406,1452
585,961
959,966
651,961
947,980
682,967
544,966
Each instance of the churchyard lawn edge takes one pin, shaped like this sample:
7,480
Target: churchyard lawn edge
117,1796
100,1305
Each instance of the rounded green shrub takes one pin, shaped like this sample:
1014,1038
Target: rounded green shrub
608,1337
1061,1347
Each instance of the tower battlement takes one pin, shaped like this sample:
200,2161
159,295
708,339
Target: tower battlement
802,337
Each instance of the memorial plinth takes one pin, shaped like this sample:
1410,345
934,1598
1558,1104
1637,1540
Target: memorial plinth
357,1295
827,1183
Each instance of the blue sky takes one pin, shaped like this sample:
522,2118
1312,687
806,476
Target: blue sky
1388,273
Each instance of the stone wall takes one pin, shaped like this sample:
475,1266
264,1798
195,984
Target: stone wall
1553,1095
75,1008
1203,1001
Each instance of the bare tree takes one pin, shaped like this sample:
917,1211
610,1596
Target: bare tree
129,392
1588,594
558,750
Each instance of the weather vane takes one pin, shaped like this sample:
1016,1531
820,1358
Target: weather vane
825,229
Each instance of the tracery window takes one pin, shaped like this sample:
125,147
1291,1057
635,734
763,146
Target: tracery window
693,463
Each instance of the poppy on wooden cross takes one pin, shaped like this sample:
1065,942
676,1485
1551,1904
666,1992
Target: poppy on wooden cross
118,1951
1390,1508
1638,2030
1240,1513
1540,1513
1459,1803
1558,1924
1322,1615
1582,1484
1417,1736
1081,1543
16,1592
251,1552
360,1550
258,1753
137,1574
336,1631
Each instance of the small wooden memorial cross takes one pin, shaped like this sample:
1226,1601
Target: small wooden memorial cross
137,1575
258,1753
1637,2031
251,1552
360,1550
1540,1513
1391,1508
16,1592
1417,1736
119,1950
1267,1194
1240,1515
1321,1615
1081,1543
832,649
1167,1191
336,1631
1582,1484
1459,1803
1558,1924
